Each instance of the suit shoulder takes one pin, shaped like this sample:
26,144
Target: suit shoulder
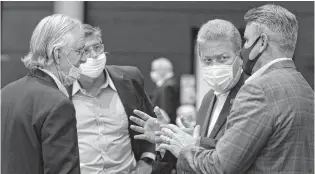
124,68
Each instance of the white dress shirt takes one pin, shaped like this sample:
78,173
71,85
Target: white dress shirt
261,70
103,135
217,108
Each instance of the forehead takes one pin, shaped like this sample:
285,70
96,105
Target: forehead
215,48
249,30
92,40
78,37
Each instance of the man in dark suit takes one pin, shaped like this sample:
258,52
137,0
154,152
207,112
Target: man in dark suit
38,124
222,69
104,97
166,93
271,125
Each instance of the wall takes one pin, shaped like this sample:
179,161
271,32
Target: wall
137,32
19,19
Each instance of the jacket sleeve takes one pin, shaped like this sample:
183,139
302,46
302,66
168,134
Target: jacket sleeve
147,107
60,141
249,126
169,101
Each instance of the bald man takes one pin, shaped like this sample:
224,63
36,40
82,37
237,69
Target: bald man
166,94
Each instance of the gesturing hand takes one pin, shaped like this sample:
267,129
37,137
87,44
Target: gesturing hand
174,139
148,125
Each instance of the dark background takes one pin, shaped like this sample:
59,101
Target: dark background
135,33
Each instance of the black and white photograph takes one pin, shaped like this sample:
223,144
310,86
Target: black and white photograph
157,87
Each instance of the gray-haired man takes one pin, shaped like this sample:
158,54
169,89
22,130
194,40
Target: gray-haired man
38,123
271,125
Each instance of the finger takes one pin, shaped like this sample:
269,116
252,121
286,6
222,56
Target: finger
140,137
184,122
158,133
196,131
165,139
188,130
141,114
138,121
168,132
158,140
158,113
166,146
172,127
137,128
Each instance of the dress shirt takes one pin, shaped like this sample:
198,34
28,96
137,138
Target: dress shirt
60,86
261,70
221,98
103,135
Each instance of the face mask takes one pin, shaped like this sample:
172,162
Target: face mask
249,64
94,67
68,79
154,76
221,78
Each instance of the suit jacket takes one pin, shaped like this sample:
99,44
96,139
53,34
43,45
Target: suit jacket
270,129
167,98
129,83
38,128
205,112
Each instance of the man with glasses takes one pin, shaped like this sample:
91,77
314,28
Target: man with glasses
104,97
38,124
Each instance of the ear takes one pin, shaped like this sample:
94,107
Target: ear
56,55
264,42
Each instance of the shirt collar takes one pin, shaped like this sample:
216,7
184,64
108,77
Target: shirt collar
109,82
60,86
260,71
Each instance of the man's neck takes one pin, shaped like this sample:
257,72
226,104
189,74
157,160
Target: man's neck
92,85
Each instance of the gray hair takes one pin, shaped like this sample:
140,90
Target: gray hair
52,31
92,31
278,23
218,29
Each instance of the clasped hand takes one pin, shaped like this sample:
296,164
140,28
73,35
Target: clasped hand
156,130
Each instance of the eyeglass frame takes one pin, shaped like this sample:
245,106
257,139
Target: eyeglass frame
87,52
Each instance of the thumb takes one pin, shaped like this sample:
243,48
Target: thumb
159,114
196,131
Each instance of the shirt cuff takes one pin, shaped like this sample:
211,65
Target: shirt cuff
149,155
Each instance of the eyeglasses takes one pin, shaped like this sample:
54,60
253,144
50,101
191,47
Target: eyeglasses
98,48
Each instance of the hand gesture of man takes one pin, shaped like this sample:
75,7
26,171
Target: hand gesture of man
148,125
175,139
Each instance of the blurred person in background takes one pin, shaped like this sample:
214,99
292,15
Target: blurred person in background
271,125
219,47
166,97
38,123
103,97
166,93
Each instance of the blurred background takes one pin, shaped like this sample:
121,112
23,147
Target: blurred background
136,33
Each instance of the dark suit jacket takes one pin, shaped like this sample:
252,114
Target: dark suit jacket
205,112
167,98
129,83
38,128
204,115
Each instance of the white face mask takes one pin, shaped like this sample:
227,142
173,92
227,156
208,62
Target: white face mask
221,78
94,67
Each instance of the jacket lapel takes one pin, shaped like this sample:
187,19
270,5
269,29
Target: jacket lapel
125,90
205,112
226,108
